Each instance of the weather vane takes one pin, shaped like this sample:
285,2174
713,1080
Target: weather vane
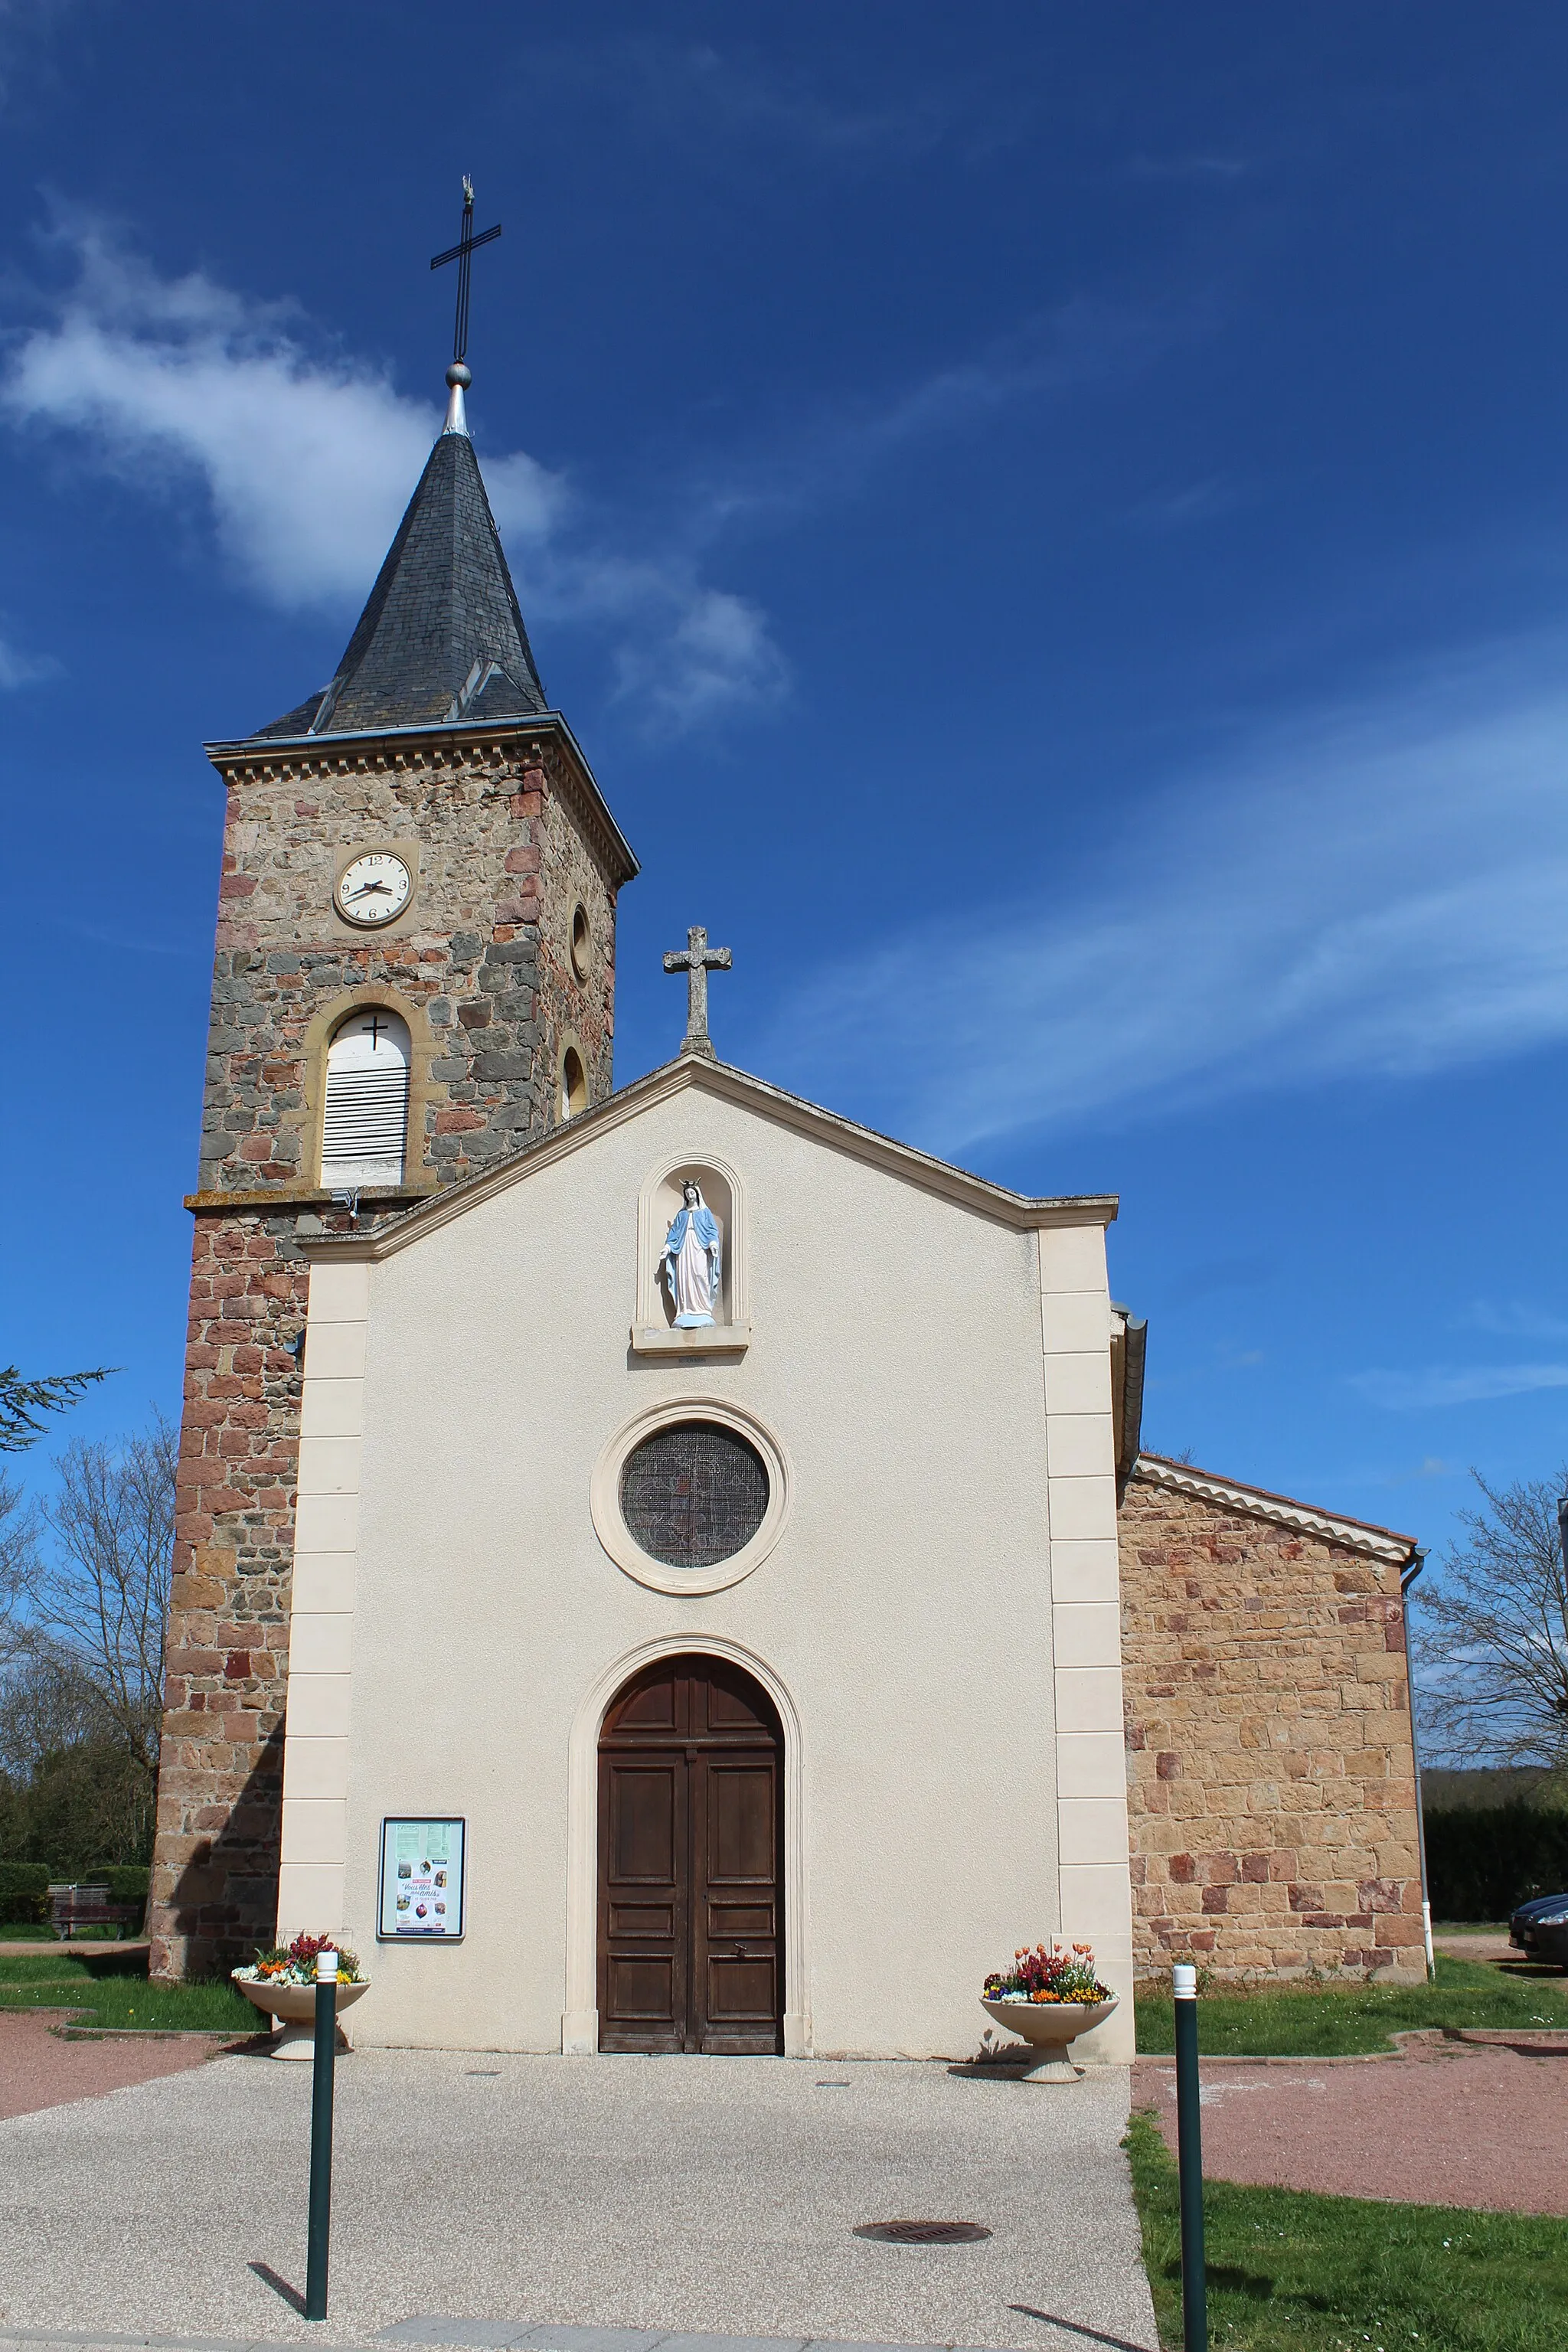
462,254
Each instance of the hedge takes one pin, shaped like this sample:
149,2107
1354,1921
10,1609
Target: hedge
23,1893
25,1888
1481,1864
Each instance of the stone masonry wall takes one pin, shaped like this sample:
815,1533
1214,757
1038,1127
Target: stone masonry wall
1271,1785
507,843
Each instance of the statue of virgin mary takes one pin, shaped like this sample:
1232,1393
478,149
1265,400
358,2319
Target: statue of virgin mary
691,1260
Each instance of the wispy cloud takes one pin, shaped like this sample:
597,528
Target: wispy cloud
1512,1320
1214,171
1377,892
829,455
675,88
18,667
307,457
1459,1385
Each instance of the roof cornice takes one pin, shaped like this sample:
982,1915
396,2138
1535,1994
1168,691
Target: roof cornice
1355,1535
286,755
692,1070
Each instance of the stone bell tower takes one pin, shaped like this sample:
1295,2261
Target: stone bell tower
415,975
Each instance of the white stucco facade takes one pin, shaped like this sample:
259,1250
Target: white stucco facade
933,1606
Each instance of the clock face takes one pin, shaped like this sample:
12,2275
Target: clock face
374,888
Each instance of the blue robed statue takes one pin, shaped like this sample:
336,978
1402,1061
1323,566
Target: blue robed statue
692,1259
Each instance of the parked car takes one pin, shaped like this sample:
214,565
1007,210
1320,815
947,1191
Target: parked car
1547,1911
1552,1941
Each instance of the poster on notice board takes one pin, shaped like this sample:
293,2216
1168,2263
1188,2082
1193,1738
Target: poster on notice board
421,1879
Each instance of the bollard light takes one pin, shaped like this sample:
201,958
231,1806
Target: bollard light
321,2222
1190,2160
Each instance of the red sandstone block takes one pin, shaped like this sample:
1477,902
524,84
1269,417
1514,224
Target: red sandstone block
1167,1765
1184,1869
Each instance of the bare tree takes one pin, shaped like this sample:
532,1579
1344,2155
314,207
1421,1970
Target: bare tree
1493,1635
97,1598
19,1547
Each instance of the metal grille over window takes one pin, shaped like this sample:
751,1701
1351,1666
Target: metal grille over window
694,1493
365,1130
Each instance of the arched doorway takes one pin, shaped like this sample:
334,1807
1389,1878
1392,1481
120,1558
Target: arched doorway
690,1841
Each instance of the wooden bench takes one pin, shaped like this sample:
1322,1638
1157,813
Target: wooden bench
88,1907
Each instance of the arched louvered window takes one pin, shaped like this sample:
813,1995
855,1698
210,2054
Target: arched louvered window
365,1128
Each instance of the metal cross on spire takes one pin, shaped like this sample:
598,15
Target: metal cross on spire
462,253
697,959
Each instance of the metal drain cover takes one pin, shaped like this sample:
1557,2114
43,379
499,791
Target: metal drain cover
922,2233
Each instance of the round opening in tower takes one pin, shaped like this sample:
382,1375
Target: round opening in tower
573,1084
582,940
694,1493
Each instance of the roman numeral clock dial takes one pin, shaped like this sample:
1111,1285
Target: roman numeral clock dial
372,889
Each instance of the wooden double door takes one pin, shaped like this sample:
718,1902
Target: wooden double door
690,1835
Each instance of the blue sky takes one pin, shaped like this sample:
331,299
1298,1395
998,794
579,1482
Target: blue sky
1051,524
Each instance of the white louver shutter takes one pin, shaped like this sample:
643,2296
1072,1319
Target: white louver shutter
366,1123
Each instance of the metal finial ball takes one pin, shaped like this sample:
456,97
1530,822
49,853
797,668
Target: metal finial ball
458,373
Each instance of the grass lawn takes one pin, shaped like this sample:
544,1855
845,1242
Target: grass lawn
1469,1926
1341,2022
112,1989
1289,2273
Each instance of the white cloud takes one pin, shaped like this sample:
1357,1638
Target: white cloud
1381,893
19,668
1461,1384
306,461
1512,1320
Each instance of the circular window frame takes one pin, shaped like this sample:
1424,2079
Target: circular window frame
605,1497
580,952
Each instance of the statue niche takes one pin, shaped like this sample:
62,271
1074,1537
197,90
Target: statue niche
691,1270
691,1265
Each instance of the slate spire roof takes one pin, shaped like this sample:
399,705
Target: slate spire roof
442,636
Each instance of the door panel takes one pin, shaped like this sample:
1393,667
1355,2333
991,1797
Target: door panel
741,1823
691,1790
644,1938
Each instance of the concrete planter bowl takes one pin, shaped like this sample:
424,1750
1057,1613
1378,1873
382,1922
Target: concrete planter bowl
1049,2027
294,2006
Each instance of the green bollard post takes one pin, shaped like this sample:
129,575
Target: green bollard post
1190,2161
322,2135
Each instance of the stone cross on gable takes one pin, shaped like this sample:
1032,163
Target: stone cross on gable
697,959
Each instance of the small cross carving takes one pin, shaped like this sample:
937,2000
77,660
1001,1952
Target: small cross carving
373,1029
697,959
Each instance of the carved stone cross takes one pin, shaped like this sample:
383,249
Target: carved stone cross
696,960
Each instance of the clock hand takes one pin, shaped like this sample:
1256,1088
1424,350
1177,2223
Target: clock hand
366,887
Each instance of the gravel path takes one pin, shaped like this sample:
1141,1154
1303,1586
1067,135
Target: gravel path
713,2194
1446,2124
39,2070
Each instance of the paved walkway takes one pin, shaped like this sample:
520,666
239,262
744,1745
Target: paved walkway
39,2070
41,1947
541,2194
1448,2123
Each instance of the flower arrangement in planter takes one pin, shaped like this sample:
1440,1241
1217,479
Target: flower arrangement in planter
295,1963
282,1982
1053,1974
1047,1996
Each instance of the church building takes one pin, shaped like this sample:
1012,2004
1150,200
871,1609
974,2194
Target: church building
670,1568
